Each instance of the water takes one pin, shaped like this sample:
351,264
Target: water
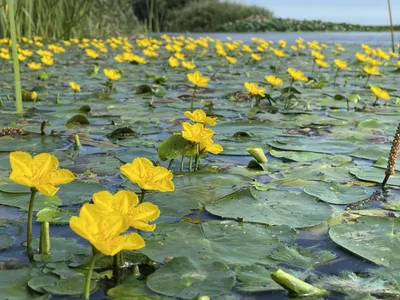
371,38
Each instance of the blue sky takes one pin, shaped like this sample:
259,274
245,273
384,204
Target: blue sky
373,12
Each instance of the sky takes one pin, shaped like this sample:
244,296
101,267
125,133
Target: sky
366,12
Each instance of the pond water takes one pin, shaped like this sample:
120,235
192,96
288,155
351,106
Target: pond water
315,209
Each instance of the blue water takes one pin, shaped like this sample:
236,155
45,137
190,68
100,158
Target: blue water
371,38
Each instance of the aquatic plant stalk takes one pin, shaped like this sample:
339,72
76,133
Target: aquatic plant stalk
170,164
391,24
182,162
86,293
17,76
295,285
394,152
142,195
336,74
193,95
29,225
286,104
366,82
44,244
197,162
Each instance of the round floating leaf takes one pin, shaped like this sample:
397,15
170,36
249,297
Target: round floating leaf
121,133
375,175
184,279
175,146
298,156
337,194
13,285
6,241
22,201
315,145
77,120
376,239
55,216
37,283
227,242
301,257
71,286
272,207
143,89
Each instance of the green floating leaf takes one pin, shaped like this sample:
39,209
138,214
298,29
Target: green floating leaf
298,156
55,215
175,146
121,133
71,286
376,239
301,257
77,120
143,89
185,279
273,207
375,175
6,241
227,242
22,201
256,278
337,194
327,146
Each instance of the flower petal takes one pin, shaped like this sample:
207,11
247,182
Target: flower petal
47,189
131,241
61,176
43,164
21,163
145,212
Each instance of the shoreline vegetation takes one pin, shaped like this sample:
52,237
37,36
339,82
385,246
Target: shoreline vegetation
62,19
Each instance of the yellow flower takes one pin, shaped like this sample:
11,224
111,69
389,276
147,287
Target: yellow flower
199,116
321,63
142,172
282,43
297,75
126,203
379,93
173,62
47,60
255,57
253,89
196,133
188,65
40,172
231,60
91,53
34,66
103,231
294,48
317,55
112,74
371,70
75,87
198,79
274,81
179,55
278,52
340,64
34,95
209,146
21,57
361,57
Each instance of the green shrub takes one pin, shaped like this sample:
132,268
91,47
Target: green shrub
210,15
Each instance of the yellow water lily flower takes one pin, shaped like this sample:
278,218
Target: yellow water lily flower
91,53
74,86
282,43
253,89
297,75
104,231
173,62
126,203
40,172
371,70
340,64
255,57
231,60
361,57
321,63
199,116
278,52
274,81
380,94
112,74
196,133
198,79
34,66
188,65
47,60
317,55
142,172
208,145
34,95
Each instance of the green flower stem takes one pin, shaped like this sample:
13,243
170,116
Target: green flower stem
193,95
75,96
376,101
197,163
313,68
17,77
286,104
86,293
182,161
29,225
142,196
118,261
44,245
336,74
348,104
367,80
170,163
190,163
